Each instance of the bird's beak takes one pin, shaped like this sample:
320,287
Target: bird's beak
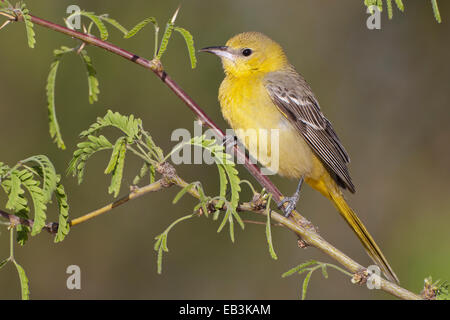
221,51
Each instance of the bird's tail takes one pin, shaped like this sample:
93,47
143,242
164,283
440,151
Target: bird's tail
364,236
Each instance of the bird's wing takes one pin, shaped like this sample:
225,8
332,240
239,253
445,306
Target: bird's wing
295,99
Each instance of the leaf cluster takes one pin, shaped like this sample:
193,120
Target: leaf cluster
93,82
133,138
34,179
309,267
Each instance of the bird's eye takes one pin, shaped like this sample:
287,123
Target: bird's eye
247,52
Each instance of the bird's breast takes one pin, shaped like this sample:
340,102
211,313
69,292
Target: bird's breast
268,135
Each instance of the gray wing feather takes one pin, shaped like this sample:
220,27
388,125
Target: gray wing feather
295,99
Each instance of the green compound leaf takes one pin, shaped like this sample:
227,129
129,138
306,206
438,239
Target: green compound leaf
15,192
133,133
92,77
299,269
129,125
312,266
116,164
50,178
235,187
437,15
28,26
114,156
146,169
161,241
223,183
17,201
183,191
155,151
160,247
140,26
23,281
152,174
85,150
114,23
190,45
97,21
3,169
370,3
63,206
54,128
380,5
39,204
442,290
165,40
400,5
233,178
227,218
22,233
142,173
269,229
204,200
222,159
305,284
324,271
389,9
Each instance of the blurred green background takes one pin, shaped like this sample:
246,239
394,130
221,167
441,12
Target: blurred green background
386,92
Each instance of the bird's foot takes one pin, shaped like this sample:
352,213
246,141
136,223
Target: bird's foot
291,204
291,201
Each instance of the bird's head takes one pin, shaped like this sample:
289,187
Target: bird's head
250,53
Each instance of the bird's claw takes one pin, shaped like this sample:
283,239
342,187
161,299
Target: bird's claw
291,204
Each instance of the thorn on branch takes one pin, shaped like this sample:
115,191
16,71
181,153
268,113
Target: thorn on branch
174,17
10,17
5,24
81,48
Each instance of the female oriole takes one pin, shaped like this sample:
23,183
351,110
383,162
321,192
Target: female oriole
262,90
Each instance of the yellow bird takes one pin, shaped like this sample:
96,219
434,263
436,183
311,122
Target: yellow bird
262,90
